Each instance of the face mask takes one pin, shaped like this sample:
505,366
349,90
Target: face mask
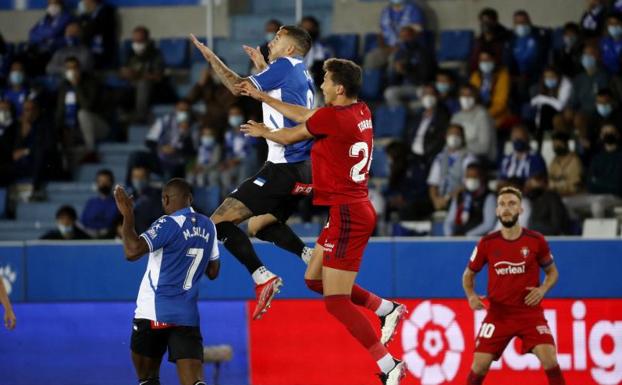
522,30
610,139
5,118
442,88
550,83
105,189
236,120
569,40
182,116
560,150
467,102
428,101
604,110
397,2
16,78
588,61
64,230
454,141
520,145
486,66
207,140
81,7
70,75
139,185
270,36
472,184
615,31
138,48
54,9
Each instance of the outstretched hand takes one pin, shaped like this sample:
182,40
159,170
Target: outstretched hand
256,57
205,50
254,129
125,203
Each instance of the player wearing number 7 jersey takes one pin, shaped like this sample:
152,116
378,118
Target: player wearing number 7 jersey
340,159
182,246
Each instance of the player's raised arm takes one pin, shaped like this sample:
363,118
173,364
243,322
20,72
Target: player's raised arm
228,77
298,114
134,247
282,136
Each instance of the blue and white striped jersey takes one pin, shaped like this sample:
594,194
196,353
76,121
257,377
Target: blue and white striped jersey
288,80
180,247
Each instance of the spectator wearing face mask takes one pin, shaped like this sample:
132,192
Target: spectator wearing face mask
447,171
522,162
17,90
144,69
99,22
604,178
8,128
611,44
270,29
78,107
565,170
553,95
48,34
66,228
445,86
235,149
548,213
100,212
426,132
493,38
493,82
147,199
585,86
173,137
72,47
206,167
472,210
479,129
567,57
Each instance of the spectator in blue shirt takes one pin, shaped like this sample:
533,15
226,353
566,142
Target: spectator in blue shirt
395,16
17,90
522,162
100,212
526,55
233,167
611,44
49,32
446,88
205,170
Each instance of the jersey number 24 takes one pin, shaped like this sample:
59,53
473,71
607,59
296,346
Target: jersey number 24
359,171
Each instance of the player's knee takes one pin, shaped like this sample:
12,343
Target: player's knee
480,367
315,285
548,361
150,381
226,230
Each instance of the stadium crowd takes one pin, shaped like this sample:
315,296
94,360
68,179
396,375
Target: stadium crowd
470,128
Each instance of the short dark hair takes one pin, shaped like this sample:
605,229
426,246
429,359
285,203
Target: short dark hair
67,210
105,172
144,30
302,39
459,127
346,73
605,92
510,190
615,15
275,22
489,12
72,59
523,13
562,136
311,20
179,186
572,26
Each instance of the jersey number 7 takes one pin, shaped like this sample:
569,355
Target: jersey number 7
197,255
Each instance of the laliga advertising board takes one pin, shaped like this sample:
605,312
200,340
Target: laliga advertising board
437,341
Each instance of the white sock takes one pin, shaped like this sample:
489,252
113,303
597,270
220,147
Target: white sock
307,253
262,275
385,308
386,363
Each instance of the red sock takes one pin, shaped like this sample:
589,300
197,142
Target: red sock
359,295
342,308
475,379
555,376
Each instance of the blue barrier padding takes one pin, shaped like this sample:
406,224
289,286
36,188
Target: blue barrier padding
89,343
12,271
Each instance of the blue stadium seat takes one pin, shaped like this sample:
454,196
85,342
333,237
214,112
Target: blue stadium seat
206,199
371,88
175,52
380,163
3,196
370,41
195,54
557,40
345,46
455,45
389,121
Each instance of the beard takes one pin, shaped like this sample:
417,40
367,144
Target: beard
509,223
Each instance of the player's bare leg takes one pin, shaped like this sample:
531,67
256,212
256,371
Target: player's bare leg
480,367
190,372
147,369
337,287
268,228
226,218
547,355
390,313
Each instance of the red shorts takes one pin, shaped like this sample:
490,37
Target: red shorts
497,331
346,234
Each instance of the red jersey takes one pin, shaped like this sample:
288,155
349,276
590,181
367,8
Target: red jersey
341,153
513,266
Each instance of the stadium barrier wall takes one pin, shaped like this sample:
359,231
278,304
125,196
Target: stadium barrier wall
74,304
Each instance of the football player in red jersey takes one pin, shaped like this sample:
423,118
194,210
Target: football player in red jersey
514,256
340,159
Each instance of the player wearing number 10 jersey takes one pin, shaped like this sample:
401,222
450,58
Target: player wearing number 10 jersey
340,159
182,246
